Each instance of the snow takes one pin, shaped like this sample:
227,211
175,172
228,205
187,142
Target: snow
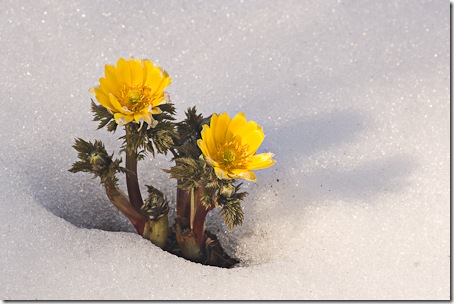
354,100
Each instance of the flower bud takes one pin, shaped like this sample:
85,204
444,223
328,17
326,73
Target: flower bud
155,205
227,190
99,161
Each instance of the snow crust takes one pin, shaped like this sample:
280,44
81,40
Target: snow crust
354,100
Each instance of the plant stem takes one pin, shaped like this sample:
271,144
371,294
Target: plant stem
199,219
157,230
189,245
192,212
132,181
119,200
183,204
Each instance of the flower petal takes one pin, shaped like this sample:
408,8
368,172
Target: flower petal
249,127
211,162
203,147
221,174
253,140
220,129
156,111
238,121
154,78
208,141
137,72
261,161
111,77
123,119
149,120
213,121
241,173
117,106
164,82
108,86
138,117
124,71
102,98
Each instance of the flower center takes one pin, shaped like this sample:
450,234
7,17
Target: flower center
229,156
135,98
232,154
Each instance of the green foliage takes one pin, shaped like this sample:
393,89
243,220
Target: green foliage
93,158
231,209
168,111
189,131
104,117
190,172
159,139
155,205
232,213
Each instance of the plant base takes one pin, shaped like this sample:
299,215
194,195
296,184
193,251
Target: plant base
214,254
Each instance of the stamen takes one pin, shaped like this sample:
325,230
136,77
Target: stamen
232,154
136,98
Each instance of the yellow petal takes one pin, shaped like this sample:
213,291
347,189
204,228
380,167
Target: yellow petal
253,140
208,141
202,147
249,127
237,121
117,106
107,86
220,128
124,71
138,117
149,120
241,173
136,73
164,82
102,98
123,119
153,78
213,121
156,111
211,162
261,161
148,67
221,173
111,77
157,101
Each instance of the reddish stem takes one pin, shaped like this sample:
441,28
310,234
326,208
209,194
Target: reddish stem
199,219
132,181
120,200
183,204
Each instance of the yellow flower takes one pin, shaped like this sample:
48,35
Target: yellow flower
133,90
229,145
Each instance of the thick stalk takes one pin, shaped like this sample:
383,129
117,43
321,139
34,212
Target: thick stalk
190,226
192,209
189,246
119,200
132,181
183,205
157,230
199,219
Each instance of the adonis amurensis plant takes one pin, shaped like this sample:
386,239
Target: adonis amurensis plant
210,155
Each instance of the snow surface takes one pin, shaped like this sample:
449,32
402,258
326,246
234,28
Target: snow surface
354,100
